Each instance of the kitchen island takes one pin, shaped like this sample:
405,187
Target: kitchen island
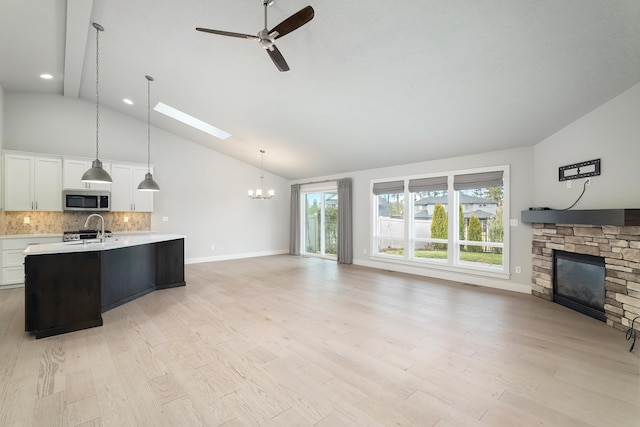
69,285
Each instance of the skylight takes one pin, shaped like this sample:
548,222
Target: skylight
190,120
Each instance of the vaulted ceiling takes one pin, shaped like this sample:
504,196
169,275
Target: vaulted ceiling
371,84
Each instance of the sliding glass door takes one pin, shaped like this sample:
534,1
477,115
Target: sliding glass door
320,223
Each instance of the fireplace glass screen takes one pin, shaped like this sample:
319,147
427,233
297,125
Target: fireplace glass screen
579,283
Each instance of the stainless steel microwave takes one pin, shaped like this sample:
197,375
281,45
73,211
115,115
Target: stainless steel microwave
86,200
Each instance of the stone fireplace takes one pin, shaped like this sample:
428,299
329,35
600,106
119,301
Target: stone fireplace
618,245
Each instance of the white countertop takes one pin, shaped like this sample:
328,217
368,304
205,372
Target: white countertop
114,242
29,236
59,235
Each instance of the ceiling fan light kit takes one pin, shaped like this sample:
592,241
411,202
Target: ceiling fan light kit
266,38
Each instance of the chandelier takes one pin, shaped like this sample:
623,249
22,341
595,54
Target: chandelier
262,192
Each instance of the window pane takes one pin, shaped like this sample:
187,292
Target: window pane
483,226
331,223
480,256
390,224
430,251
430,224
312,223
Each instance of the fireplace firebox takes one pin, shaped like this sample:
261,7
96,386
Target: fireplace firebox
579,282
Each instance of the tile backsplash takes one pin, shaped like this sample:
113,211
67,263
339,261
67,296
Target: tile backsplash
12,223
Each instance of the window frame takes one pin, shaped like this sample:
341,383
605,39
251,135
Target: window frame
453,262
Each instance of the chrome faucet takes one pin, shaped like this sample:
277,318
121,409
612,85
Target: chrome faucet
86,223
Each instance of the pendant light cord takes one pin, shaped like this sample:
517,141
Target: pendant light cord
97,91
98,29
149,123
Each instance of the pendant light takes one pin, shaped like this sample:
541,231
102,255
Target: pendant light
262,192
97,174
148,184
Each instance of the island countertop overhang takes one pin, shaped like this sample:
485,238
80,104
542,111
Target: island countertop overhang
115,242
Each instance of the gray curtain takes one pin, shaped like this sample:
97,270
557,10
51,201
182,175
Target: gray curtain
345,222
294,220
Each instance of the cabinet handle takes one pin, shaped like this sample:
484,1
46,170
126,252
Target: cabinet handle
36,205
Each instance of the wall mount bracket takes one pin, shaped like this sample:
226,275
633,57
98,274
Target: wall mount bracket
579,170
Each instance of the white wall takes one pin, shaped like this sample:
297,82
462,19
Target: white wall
1,144
1,116
521,197
610,133
203,193
237,226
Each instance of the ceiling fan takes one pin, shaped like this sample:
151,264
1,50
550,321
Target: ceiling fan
267,37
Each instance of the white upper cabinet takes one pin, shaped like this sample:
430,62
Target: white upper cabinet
32,183
72,171
125,196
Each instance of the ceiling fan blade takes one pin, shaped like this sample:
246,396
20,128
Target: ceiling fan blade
277,58
228,33
293,22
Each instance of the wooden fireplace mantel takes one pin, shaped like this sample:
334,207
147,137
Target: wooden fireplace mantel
618,217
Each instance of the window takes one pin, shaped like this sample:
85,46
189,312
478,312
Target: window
429,223
452,220
388,233
320,226
480,197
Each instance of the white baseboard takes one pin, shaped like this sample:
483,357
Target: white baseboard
470,279
235,256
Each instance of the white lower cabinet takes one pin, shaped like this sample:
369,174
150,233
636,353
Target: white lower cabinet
13,257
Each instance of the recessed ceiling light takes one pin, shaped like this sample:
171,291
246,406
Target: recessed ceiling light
46,76
127,101
191,121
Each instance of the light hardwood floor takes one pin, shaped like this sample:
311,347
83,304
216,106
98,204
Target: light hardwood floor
293,341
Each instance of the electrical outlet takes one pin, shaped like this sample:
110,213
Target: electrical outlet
568,184
364,251
213,247
27,220
165,219
126,219
513,222
518,269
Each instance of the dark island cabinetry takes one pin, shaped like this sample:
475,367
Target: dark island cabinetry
69,291
62,293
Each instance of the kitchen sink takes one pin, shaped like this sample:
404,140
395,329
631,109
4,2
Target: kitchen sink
82,242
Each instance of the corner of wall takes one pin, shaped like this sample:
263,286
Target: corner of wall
1,117
1,146
610,133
